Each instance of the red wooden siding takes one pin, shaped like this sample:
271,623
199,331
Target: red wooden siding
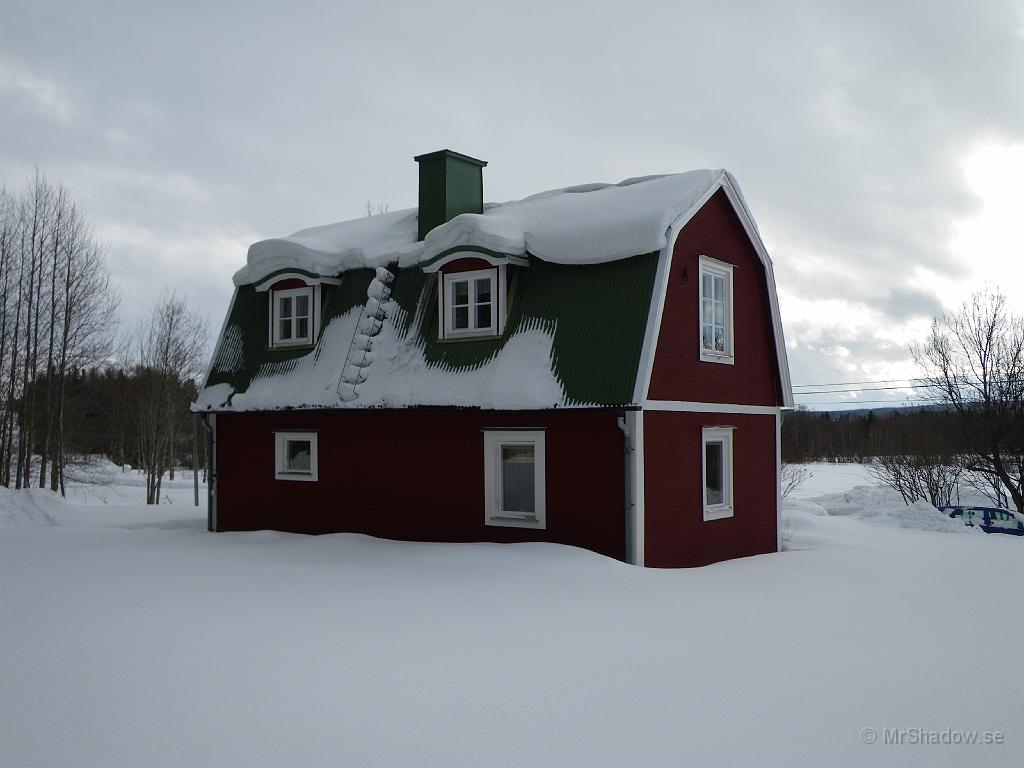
292,282
676,533
679,373
419,475
467,264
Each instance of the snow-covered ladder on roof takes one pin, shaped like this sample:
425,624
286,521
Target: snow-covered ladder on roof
360,348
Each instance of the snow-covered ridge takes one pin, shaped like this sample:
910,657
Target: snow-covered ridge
585,224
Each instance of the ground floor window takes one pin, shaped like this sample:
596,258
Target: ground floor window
718,472
295,455
514,478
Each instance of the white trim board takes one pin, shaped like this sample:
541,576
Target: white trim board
660,292
684,406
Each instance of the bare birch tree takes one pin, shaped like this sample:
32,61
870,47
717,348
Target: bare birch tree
170,350
973,363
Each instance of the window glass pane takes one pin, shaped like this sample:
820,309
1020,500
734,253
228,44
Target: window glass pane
483,316
706,290
461,318
714,475
286,329
302,306
708,337
719,339
302,328
517,486
297,456
709,310
719,313
285,306
460,292
720,288
483,289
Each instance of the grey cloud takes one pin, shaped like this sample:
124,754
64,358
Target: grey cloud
202,124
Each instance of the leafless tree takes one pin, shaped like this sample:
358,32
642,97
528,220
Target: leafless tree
973,363
57,313
170,353
793,476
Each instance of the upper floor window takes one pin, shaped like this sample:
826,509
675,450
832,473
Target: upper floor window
716,311
470,303
292,320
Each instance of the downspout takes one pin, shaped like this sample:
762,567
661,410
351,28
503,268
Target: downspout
211,478
627,444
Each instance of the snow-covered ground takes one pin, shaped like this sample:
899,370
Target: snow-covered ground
129,636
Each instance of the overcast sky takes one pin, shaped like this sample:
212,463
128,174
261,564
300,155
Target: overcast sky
880,145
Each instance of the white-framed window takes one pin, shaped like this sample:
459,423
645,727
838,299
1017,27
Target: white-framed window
295,456
292,316
717,472
470,303
716,311
514,493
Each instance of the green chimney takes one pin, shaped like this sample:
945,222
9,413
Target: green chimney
450,184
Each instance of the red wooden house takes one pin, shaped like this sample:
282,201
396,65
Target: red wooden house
600,365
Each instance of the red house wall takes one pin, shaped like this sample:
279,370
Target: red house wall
419,475
679,373
676,534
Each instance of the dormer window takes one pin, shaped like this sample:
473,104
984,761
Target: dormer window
470,303
292,320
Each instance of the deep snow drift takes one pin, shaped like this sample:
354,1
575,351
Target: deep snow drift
157,647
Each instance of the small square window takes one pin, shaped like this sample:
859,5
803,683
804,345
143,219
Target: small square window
717,472
292,316
468,306
295,455
716,311
514,493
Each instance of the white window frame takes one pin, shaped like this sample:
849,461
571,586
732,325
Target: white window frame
447,303
494,440
312,327
715,268
281,472
722,435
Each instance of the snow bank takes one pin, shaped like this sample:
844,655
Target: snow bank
178,648
590,223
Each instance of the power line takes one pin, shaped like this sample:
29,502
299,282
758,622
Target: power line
853,383
843,391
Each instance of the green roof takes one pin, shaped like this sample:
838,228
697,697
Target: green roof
595,315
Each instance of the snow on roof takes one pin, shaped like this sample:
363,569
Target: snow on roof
586,224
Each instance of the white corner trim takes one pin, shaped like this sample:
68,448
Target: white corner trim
684,406
778,481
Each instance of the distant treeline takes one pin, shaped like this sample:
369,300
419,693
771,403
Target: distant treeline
860,436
